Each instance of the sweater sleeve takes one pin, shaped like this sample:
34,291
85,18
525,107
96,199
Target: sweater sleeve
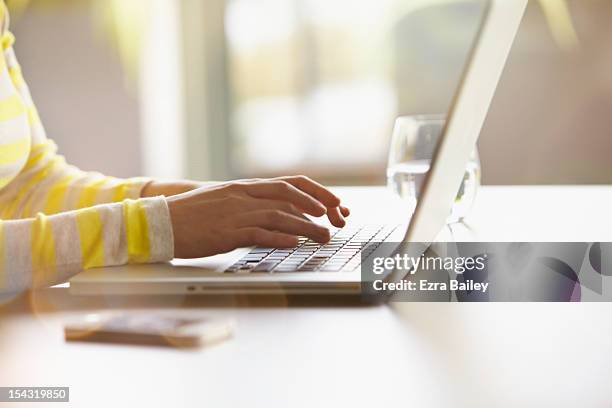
47,183
56,220
47,250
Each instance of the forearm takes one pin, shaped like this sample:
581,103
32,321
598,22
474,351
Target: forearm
48,250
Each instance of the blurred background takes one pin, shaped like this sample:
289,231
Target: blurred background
220,89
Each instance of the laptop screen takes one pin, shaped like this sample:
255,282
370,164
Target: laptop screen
466,118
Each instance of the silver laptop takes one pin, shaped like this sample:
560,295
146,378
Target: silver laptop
334,268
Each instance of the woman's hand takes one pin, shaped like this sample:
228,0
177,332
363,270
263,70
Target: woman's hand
221,217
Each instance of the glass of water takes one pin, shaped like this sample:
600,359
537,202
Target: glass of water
414,142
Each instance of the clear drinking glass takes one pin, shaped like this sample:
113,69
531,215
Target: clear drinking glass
414,141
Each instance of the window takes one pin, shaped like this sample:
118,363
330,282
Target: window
315,85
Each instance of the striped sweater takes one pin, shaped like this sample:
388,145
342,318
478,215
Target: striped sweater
56,220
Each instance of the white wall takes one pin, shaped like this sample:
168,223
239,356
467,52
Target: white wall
77,83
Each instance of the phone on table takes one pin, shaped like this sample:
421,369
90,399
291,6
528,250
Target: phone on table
149,329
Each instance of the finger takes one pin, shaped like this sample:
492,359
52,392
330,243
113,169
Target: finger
335,217
252,236
249,204
280,190
314,189
345,211
274,220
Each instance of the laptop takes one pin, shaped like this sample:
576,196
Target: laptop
334,268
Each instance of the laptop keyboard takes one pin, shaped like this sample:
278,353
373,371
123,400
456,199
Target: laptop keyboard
342,253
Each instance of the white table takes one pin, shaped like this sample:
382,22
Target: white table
329,354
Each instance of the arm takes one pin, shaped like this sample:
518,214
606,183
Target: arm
39,249
52,225
48,250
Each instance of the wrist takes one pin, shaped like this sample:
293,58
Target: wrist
176,220
168,188
147,190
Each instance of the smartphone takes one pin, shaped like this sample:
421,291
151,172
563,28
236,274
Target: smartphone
149,329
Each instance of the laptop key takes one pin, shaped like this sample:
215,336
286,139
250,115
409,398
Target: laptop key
341,256
348,251
274,260
265,267
253,258
282,269
243,269
331,269
337,261
293,265
299,256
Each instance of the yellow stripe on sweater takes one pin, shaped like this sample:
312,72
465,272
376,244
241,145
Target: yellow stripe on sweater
12,153
127,188
33,117
137,232
38,152
8,39
17,77
121,192
57,194
90,193
91,232
43,252
11,108
22,194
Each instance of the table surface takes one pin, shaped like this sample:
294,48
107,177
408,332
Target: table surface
288,352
